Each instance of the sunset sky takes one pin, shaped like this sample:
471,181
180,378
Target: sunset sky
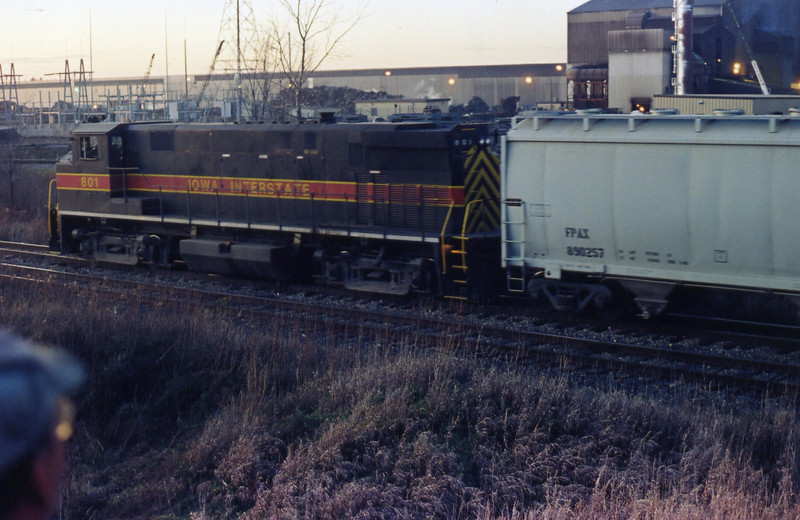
38,35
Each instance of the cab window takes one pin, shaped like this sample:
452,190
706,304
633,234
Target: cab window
89,148
117,151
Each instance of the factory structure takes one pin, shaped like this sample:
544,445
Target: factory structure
396,91
622,55
627,55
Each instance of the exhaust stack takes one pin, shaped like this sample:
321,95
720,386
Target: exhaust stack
684,49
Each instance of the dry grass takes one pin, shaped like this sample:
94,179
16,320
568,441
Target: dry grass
23,207
205,415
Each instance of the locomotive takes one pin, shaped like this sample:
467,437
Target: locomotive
376,207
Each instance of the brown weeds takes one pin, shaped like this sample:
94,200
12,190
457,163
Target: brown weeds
23,203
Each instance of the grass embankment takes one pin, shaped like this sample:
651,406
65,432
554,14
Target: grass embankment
23,201
191,413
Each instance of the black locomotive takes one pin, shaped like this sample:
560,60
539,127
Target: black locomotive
385,208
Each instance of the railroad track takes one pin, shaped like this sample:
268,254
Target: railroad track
22,247
749,331
608,351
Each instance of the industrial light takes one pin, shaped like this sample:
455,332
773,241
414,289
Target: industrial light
737,68
528,80
559,67
451,81
388,73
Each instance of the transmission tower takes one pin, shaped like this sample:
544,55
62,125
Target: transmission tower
82,89
237,59
68,101
10,103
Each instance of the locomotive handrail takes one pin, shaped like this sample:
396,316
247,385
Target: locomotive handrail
247,207
313,215
441,236
188,205
124,170
466,215
462,236
347,219
219,216
161,203
52,219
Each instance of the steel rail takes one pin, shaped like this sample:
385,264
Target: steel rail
534,346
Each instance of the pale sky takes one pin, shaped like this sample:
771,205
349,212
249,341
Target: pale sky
39,35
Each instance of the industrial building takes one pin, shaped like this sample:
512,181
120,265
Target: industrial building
709,104
623,52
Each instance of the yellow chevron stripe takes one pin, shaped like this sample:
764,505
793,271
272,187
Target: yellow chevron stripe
482,182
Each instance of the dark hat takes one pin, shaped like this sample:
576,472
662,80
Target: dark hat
32,382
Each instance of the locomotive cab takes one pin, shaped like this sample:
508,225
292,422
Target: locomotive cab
93,182
93,175
96,147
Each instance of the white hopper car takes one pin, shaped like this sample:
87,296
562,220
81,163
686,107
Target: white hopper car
600,207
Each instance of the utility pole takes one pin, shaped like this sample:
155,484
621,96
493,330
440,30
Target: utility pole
238,64
166,59
185,71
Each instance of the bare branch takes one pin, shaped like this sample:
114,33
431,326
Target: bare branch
315,37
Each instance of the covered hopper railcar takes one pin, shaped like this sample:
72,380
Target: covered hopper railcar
599,207
386,208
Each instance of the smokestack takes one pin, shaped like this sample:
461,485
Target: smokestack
684,49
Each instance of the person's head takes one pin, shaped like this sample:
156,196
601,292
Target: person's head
35,421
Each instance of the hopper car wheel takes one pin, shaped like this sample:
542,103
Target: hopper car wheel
616,304
537,296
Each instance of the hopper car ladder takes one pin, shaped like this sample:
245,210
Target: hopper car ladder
514,245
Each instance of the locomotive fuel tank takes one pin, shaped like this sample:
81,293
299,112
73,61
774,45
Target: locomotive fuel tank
595,205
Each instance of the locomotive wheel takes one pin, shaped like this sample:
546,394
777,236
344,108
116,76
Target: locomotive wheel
430,281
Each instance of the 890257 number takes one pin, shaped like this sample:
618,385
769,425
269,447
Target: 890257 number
586,252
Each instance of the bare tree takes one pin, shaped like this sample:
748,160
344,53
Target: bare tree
258,80
247,56
316,32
